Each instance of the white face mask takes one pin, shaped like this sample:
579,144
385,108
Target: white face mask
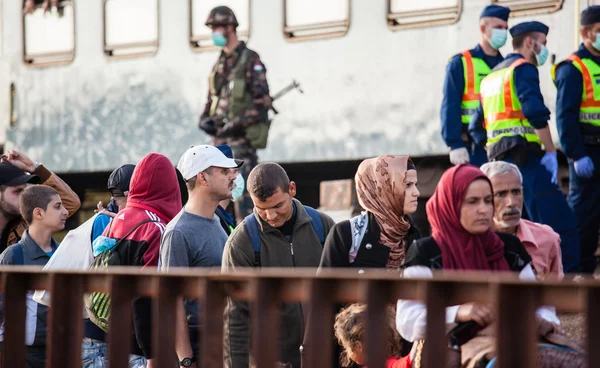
542,56
596,43
498,38
238,191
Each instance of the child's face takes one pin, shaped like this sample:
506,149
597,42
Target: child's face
356,354
55,215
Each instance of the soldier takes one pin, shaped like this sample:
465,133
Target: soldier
238,99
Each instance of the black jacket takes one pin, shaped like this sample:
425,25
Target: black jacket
338,243
426,252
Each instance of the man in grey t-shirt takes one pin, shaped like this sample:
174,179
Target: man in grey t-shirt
195,238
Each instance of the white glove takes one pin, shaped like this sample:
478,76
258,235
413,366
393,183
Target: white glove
459,156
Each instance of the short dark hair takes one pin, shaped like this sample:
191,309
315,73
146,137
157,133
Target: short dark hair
35,196
191,183
519,40
265,179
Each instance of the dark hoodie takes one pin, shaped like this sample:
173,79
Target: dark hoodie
153,195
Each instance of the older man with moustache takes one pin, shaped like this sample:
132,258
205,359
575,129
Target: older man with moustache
540,241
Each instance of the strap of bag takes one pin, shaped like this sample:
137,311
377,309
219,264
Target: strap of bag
358,227
317,223
18,255
132,230
253,231
124,237
243,56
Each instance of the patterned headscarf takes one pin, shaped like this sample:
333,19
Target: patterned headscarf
380,190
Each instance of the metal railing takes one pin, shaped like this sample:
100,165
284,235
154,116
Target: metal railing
515,302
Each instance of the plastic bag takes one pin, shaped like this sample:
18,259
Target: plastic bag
74,253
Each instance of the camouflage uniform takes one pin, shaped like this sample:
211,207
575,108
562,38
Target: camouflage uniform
226,126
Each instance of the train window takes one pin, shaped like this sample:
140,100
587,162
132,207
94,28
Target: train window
315,19
130,27
200,33
49,35
403,14
529,7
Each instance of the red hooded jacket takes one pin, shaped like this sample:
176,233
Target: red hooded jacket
154,194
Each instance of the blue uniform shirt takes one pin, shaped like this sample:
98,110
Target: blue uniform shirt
569,84
454,86
527,85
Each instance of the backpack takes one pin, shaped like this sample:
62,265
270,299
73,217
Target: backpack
253,231
111,252
358,226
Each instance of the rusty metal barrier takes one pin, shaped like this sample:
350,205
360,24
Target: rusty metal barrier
515,302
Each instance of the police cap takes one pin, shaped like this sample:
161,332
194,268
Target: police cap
496,11
527,27
590,15
221,16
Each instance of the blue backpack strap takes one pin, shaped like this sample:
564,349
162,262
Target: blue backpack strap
254,234
317,223
18,255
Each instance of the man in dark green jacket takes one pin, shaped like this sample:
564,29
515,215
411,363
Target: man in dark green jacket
280,233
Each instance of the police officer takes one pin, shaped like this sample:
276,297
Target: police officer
461,86
516,127
578,120
236,112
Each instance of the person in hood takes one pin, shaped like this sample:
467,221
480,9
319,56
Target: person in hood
154,199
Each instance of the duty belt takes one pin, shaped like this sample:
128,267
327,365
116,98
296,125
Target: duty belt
591,140
517,130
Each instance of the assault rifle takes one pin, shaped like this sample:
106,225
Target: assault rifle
284,91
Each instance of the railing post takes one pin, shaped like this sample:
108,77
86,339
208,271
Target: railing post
435,349
377,299
164,320
212,335
120,329
65,331
265,322
318,349
15,289
593,326
516,325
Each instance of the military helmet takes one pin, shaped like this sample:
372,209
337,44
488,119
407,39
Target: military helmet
221,16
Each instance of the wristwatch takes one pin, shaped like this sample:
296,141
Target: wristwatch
187,362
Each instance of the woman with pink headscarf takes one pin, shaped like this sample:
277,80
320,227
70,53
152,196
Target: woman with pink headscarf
386,187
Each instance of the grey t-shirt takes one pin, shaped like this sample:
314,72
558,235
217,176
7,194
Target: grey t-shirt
192,241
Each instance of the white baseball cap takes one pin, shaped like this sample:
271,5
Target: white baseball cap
200,158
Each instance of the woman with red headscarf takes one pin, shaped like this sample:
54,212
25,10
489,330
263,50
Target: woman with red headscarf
460,213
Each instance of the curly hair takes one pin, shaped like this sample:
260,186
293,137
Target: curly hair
350,327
